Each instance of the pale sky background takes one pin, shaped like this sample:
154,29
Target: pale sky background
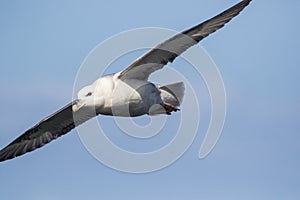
43,44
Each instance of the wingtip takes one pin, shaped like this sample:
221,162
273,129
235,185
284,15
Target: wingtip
247,1
4,155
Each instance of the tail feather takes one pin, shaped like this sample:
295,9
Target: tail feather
172,94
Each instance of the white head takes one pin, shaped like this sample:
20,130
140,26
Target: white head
88,97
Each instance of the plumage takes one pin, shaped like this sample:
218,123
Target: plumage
168,50
126,93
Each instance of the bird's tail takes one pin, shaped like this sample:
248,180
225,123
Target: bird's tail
172,96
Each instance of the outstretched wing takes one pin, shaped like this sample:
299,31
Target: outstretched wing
167,51
50,128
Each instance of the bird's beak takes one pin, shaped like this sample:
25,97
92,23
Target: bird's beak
77,105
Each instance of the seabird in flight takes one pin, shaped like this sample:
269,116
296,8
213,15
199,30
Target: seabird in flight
126,93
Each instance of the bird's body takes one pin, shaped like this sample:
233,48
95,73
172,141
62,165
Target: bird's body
126,93
110,95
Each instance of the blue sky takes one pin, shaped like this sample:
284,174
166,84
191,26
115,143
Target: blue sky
43,44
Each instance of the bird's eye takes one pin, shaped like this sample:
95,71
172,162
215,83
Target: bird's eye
88,94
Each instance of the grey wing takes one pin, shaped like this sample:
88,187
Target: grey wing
50,128
167,51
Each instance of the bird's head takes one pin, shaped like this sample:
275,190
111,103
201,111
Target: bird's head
88,98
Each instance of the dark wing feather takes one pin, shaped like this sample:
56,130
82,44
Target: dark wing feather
50,128
167,51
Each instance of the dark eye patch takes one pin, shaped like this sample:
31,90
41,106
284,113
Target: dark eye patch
88,94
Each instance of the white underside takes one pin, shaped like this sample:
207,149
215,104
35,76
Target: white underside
132,97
